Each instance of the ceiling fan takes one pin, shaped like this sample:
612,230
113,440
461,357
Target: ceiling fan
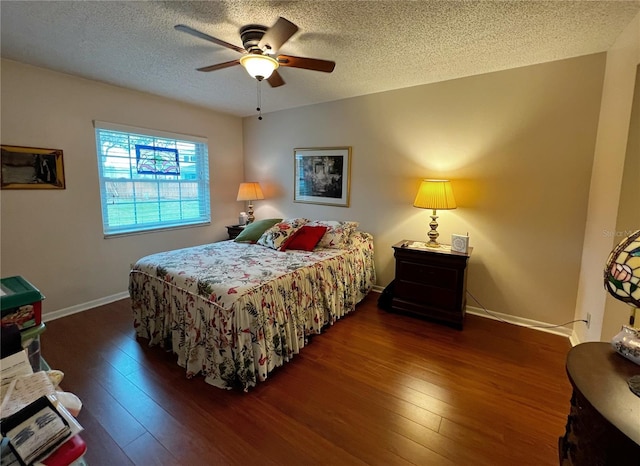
259,55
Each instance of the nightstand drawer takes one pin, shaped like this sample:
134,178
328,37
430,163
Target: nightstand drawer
453,318
441,277
422,294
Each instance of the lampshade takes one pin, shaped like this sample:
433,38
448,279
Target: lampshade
622,281
259,66
622,271
250,191
436,195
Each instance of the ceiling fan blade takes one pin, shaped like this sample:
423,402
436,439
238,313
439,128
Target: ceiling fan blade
202,35
275,80
220,66
277,35
307,63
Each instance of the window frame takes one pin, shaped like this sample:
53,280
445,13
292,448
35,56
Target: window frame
146,192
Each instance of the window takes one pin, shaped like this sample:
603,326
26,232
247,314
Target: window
151,180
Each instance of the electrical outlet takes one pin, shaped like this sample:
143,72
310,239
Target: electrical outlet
588,319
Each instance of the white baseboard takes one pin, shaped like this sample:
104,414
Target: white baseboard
520,321
515,320
574,339
49,316
84,306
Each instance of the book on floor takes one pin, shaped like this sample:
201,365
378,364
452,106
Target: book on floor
35,430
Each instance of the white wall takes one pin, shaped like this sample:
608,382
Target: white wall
616,312
54,237
604,194
518,145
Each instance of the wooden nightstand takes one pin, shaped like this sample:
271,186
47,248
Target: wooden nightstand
430,283
234,230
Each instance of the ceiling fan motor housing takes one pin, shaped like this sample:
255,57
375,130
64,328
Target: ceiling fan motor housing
251,35
259,51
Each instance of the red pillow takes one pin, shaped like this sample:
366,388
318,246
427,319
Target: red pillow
306,238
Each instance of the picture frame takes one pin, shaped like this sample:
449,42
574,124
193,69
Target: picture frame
322,175
31,168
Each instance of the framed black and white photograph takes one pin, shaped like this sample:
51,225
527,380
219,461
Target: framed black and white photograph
322,175
31,168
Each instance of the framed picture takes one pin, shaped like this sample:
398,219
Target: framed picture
31,168
322,175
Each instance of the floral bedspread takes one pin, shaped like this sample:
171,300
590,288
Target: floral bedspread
235,311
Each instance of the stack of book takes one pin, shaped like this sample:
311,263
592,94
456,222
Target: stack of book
33,423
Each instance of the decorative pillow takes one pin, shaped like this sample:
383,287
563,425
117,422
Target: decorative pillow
337,234
279,233
306,238
254,230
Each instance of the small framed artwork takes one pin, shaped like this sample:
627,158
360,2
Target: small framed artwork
322,175
31,168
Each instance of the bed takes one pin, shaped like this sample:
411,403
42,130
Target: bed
234,311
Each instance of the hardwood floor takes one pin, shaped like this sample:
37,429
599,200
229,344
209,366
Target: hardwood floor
376,388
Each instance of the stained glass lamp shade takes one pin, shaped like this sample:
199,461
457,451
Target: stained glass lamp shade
622,273
622,280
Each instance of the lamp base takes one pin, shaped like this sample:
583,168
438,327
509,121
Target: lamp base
433,234
250,216
627,343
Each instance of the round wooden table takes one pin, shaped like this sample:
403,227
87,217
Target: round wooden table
603,427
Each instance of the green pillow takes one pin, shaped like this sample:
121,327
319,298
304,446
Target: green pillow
254,230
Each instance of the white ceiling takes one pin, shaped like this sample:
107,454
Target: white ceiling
377,45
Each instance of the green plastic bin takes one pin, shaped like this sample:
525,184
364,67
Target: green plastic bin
21,302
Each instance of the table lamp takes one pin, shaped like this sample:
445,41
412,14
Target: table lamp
250,192
435,195
622,281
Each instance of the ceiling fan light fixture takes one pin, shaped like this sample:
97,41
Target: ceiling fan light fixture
259,66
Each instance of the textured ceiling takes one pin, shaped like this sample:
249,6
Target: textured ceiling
377,45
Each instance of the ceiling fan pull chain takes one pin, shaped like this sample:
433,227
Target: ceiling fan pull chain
259,109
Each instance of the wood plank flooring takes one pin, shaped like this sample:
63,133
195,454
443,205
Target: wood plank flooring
376,388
